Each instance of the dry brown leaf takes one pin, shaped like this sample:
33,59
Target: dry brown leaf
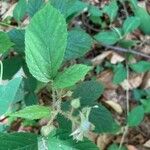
103,141
131,147
146,81
134,81
106,78
99,59
112,56
115,106
147,144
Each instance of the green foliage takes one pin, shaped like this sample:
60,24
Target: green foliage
141,66
130,24
33,112
63,5
5,43
42,80
10,93
143,15
107,37
61,139
79,43
34,6
88,92
111,10
116,147
22,141
44,52
11,66
20,10
120,74
102,119
17,37
136,116
146,105
71,76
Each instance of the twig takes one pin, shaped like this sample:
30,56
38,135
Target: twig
127,51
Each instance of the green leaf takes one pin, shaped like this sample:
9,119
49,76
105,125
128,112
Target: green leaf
143,15
5,42
63,5
88,92
34,6
120,74
18,141
116,147
11,66
61,139
10,93
136,116
130,24
71,75
95,11
20,10
33,112
107,37
79,43
102,119
146,105
17,37
45,40
78,7
141,66
111,10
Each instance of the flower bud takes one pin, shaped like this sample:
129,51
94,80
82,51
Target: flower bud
75,103
46,130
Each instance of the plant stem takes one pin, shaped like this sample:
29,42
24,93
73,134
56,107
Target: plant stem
1,74
127,107
120,49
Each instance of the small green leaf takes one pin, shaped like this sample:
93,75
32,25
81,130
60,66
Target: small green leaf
10,93
95,11
102,119
88,92
20,10
143,15
5,42
21,141
33,112
79,43
45,41
71,76
130,24
136,116
34,6
111,10
141,66
120,74
146,105
11,66
17,37
63,5
107,37
61,139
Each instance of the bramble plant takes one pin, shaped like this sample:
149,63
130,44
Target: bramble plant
37,57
